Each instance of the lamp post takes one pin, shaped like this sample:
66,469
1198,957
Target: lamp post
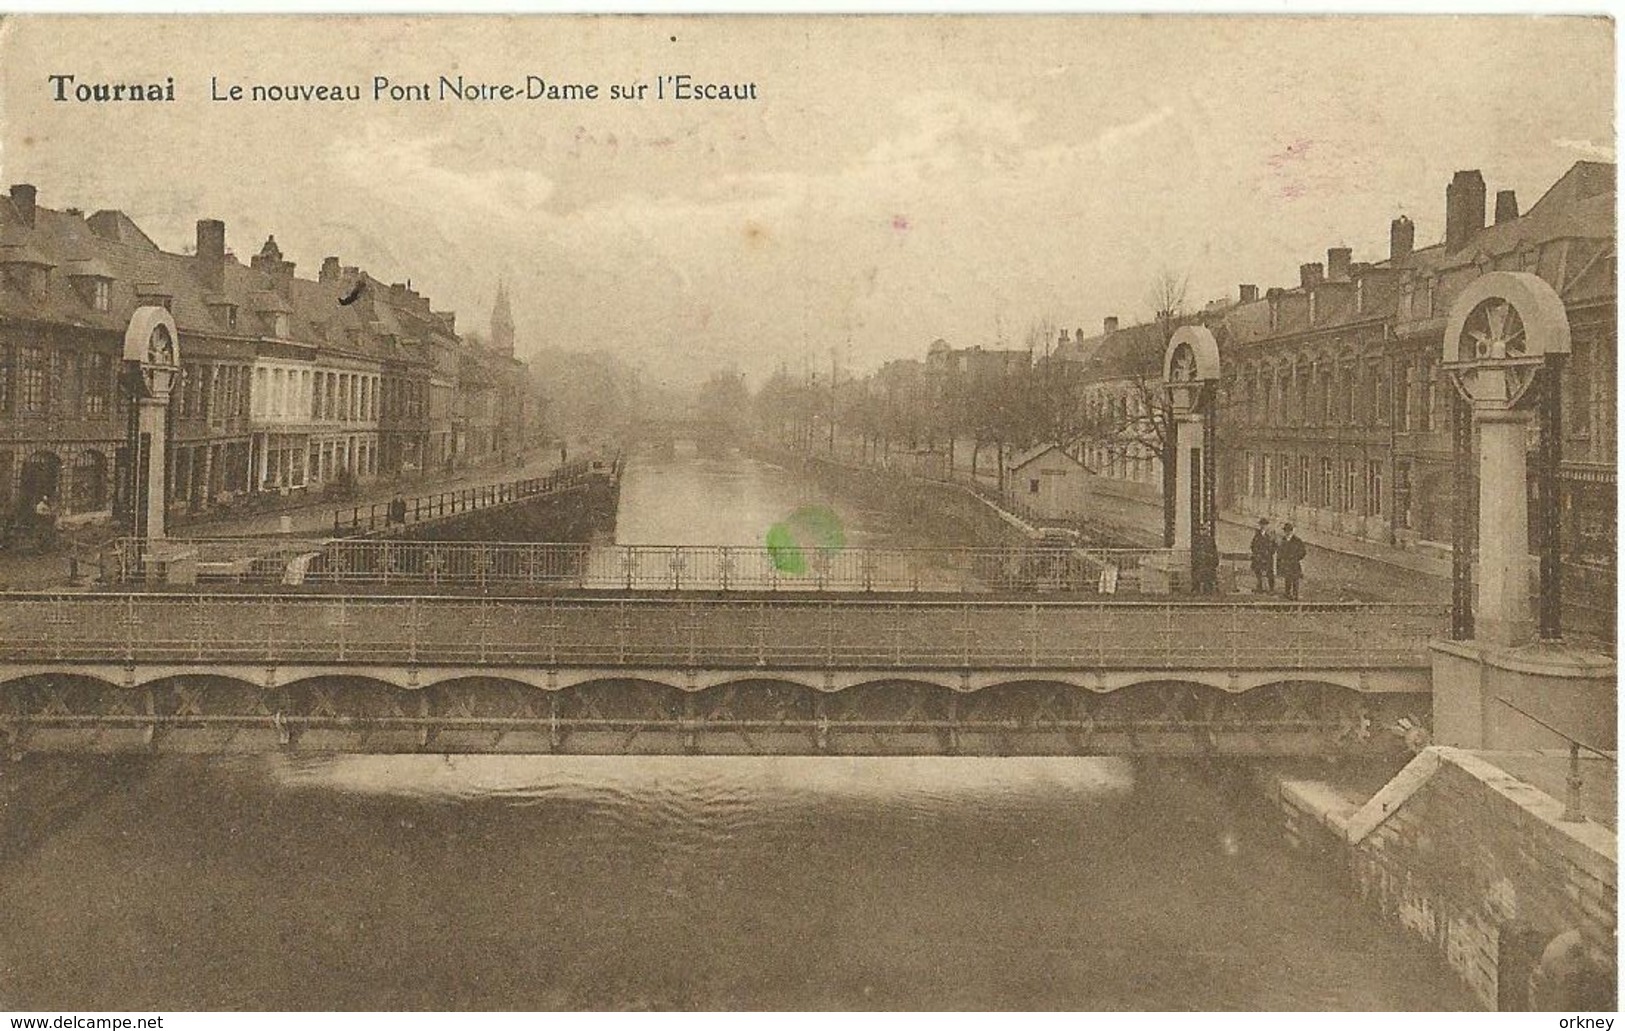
1507,331
151,369
1191,377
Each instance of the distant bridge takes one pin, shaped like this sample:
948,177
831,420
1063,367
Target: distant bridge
705,675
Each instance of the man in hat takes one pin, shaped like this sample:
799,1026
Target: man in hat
1263,549
1289,556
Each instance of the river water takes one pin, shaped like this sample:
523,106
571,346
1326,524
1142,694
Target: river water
378,882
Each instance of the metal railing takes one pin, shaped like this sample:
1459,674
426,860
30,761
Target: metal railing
517,566
218,629
376,515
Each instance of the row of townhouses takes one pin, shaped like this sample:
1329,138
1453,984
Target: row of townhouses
287,383
1333,410
1334,413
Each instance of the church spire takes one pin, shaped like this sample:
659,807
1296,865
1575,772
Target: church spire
502,321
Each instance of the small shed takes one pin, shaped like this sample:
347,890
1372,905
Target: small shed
1049,483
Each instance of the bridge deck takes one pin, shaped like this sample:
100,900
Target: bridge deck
710,632
596,675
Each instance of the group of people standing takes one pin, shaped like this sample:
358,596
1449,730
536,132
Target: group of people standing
1282,554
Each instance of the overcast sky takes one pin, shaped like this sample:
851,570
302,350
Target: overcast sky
898,179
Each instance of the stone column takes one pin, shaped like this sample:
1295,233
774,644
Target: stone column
151,427
1504,614
1187,438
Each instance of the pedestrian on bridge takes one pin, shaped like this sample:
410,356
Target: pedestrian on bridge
1263,549
1289,555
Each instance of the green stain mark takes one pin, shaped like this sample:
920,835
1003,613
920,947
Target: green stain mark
814,527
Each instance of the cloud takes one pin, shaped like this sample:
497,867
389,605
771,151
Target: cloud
1596,151
405,170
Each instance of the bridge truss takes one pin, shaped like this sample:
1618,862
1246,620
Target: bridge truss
582,675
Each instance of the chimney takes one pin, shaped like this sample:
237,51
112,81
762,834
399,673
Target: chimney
1110,326
1506,206
1401,238
211,252
1337,263
1310,274
330,270
1463,209
22,198
105,224
1249,293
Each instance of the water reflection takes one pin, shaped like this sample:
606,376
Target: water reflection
424,882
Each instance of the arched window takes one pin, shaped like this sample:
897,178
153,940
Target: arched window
88,482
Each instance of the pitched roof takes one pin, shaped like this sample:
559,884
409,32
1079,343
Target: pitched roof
1033,454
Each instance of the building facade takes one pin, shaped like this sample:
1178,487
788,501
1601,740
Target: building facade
288,384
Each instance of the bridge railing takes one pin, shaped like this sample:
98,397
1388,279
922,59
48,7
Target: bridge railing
376,515
401,565
704,632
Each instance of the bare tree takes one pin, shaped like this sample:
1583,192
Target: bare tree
1127,411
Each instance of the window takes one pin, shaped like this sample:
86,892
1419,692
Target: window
1424,413
1305,481
99,294
1373,488
88,482
31,380
96,378
1251,461
7,379
1328,485
1402,494
262,380
1032,486
1359,296
59,387
1351,484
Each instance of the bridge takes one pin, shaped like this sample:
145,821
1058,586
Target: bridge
697,674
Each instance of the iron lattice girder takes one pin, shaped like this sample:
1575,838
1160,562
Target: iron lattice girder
619,717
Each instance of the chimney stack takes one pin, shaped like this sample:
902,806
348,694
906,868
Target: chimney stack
1338,260
1311,274
1249,293
1110,325
1401,238
1463,209
22,198
330,270
211,252
1506,206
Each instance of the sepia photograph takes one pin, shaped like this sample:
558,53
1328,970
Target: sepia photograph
1082,512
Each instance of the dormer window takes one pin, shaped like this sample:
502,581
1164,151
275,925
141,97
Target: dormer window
226,314
279,324
153,296
1313,307
26,271
1359,296
93,281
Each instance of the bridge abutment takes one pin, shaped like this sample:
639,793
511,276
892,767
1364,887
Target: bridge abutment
1481,865
1489,696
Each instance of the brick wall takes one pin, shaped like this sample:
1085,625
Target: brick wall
1480,864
